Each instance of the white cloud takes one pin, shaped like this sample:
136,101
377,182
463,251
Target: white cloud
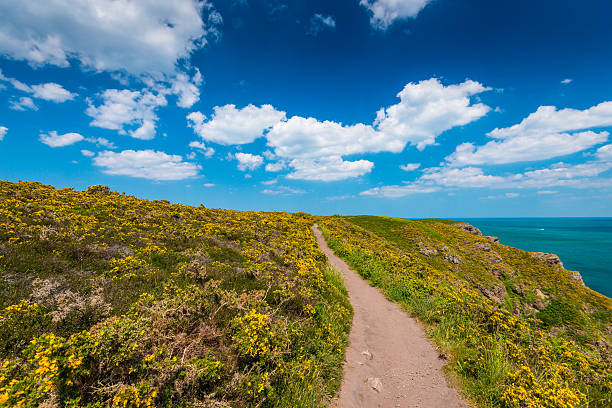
283,190
315,149
208,185
466,177
52,139
331,168
560,174
301,137
23,104
100,141
525,148
410,166
398,191
138,36
121,108
547,192
87,153
567,81
248,161
604,153
276,166
187,89
3,131
497,197
229,126
547,119
320,22
383,13
16,84
49,91
544,134
269,182
206,151
148,164
52,92
427,109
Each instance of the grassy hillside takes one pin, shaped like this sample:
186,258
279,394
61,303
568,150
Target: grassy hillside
109,300
520,331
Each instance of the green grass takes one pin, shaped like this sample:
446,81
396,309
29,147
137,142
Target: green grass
504,351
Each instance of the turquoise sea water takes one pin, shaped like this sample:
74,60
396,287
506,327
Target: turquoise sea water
583,244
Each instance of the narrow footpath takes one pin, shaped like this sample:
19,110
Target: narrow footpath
389,360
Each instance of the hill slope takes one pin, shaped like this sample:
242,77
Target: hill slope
521,331
109,300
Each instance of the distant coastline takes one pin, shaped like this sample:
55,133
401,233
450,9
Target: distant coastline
584,244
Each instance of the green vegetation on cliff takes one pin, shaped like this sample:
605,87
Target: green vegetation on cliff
519,329
110,300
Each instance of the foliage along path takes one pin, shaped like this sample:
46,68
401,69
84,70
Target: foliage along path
389,361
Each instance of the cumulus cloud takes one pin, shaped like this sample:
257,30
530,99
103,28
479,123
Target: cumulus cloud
52,92
276,166
427,109
49,91
22,104
87,153
136,36
557,175
205,150
314,149
410,166
53,139
560,174
125,108
147,164
466,177
3,131
248,161
547,119
383,13
544,134
332,168
320,22
187,88
529,147
230,126
310,138
567,81
604,153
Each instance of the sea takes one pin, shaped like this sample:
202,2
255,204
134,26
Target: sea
583,244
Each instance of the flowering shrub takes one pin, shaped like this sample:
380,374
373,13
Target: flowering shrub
109,300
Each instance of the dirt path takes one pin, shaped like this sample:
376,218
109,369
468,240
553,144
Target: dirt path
389,361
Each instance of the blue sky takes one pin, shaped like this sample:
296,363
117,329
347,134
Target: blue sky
411,108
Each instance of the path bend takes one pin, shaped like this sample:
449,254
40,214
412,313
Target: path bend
389,361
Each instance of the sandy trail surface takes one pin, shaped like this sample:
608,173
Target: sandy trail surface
389,361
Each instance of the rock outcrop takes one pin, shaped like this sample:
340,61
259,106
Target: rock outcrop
469,228
554,260
550,259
